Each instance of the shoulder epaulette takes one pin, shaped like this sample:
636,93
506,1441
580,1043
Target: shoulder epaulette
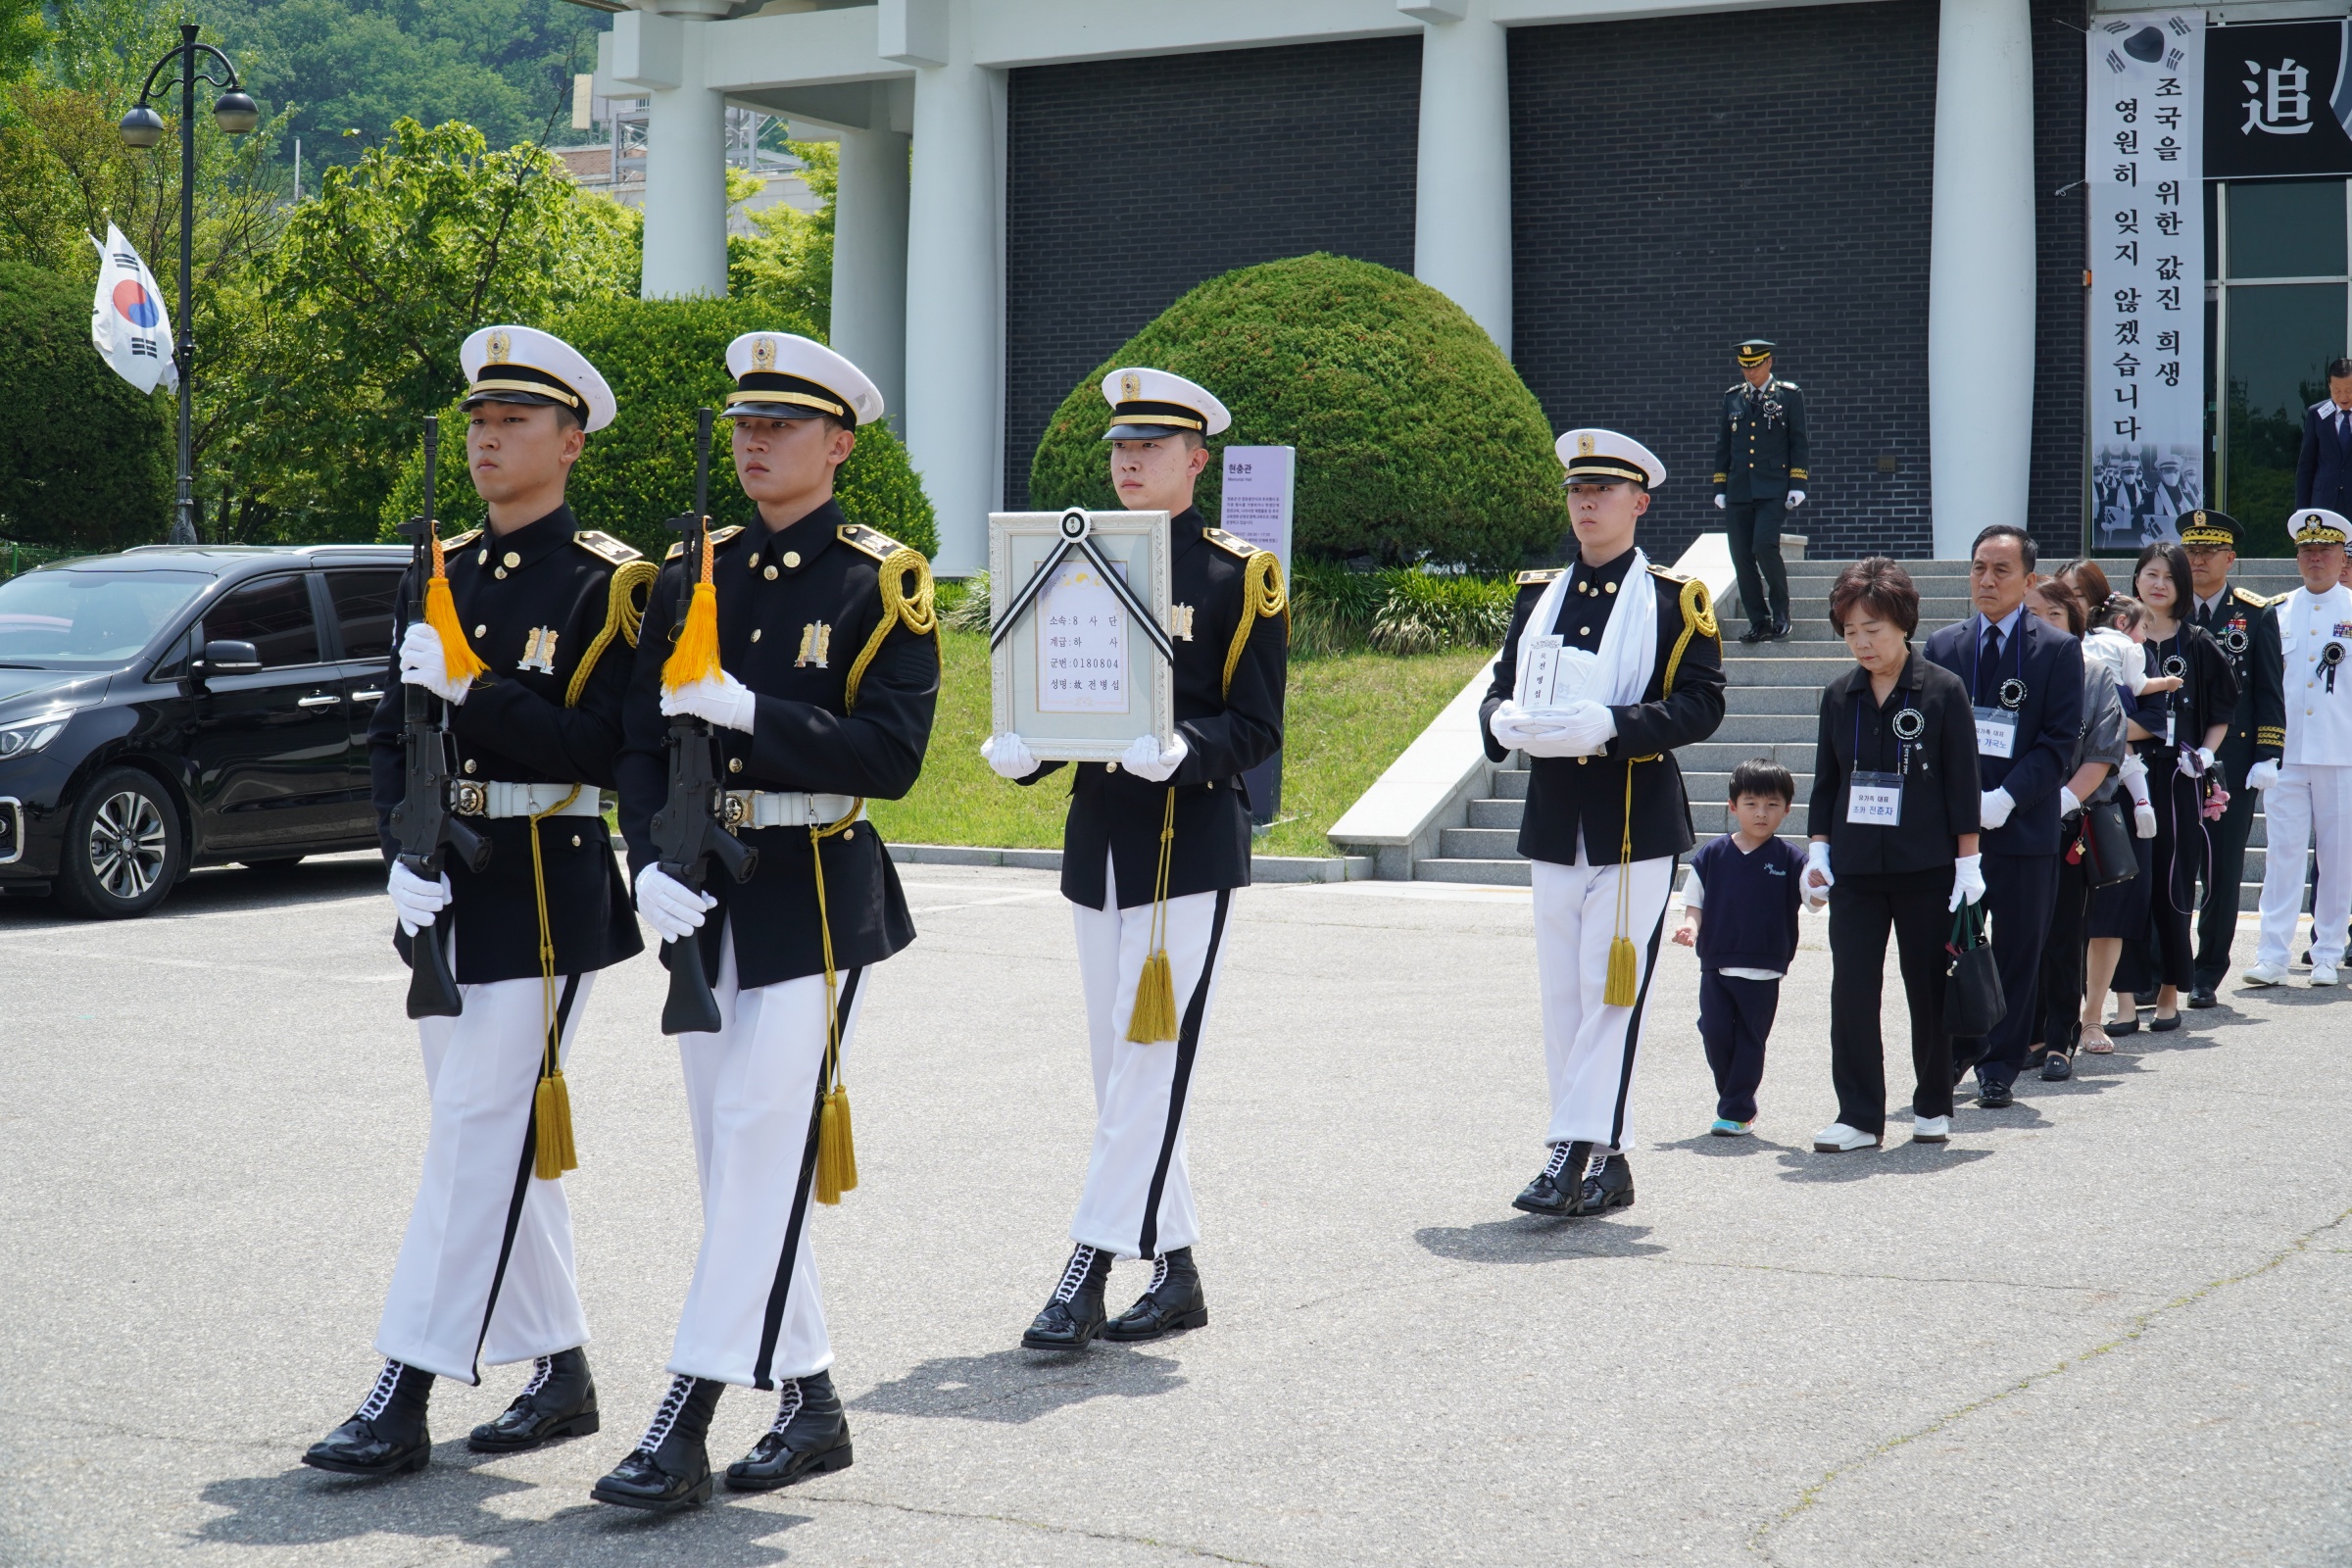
604,548
1233,544
718,541
462,540
1791,386
2277,599
1671,576
859,537
1543,575
2247,596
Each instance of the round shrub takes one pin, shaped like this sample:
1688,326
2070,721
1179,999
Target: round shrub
664,359
89,459
1416,439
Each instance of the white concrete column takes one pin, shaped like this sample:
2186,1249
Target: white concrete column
870,262
1462,195
1980,271
955,296
685,166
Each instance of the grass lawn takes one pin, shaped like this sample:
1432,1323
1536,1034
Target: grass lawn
1347,717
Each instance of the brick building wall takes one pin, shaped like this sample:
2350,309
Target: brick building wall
2055,509
1128,182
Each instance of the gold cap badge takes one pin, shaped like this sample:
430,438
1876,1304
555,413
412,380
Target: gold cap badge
500,344
763,354
1583,446
1131,387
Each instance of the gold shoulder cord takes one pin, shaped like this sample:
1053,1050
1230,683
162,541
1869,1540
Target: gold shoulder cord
915,613
1698,620
624,612
1262,596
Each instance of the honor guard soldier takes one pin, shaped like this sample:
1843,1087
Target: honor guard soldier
1153,847
533,665
820,693
2304,768
1761,453
1610,664
2235,618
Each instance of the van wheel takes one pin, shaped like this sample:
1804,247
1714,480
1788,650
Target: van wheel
123,848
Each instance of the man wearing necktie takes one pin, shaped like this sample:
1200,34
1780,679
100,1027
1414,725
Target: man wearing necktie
2323,469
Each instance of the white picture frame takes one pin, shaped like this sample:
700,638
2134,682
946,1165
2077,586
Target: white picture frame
1028,656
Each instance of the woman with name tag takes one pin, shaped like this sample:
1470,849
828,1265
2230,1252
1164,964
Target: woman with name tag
1893,826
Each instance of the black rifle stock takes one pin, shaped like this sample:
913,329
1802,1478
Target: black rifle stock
689,829
422,821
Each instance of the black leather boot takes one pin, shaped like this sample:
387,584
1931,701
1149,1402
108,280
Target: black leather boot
386,1436
1554,1190
1172,1303
811,1437
669,1470
559,1401
1611,1187
1075,1314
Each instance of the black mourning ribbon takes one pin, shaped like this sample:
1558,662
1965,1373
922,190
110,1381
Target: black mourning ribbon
2333,656
1044,574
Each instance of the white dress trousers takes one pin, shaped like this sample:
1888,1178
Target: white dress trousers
485,1271
1137,1201
754,1314
1589,1047
2307,800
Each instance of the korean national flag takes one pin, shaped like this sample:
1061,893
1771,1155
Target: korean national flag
128,323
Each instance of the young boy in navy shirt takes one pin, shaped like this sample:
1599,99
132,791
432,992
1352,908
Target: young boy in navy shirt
1739,910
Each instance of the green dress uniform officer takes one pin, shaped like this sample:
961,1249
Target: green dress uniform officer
828,667
1761,453
2235,618
1153,847
1609,666
485,1271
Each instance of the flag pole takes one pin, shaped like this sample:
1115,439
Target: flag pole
183,348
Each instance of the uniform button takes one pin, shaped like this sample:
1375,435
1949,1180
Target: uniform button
1110,767
792,557
469,764
1584,631
482,560
575,841
1612,587
769,574
1581,760
734,765
481,631
848,833
754,634
500,572
754,562
513,559
1212,783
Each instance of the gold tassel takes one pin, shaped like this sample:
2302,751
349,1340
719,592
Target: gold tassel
1153,1019
1620,990
1622,964
556,1154
457,657
836,1149
694,655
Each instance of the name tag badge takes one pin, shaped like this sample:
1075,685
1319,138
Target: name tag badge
1996,732
1875,800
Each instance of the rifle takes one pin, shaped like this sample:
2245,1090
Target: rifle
422,821
689,829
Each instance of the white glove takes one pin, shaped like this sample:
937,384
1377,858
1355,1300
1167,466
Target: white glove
2262,775
2195,763
1719,502
421,664
1586,726
414,900
2068,806
1144,759
719,700
1967,880
671,907
1993,808
1511,726
2143,821
1817,863
1008,755
1796,499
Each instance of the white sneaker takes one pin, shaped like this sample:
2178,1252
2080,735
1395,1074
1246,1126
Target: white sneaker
1839,1139
2322,974
2264,974
1930,1129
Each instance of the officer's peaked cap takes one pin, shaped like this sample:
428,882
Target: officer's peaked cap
1148,404
2204,527
1603,457
524,364
783,375
1752,350
2317,525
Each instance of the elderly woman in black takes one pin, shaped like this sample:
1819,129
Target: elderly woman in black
1893,823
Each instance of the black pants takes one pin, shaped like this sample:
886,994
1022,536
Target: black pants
1862,909
2058,1025
2174,859
2217,924
2019,889
1755,538
1734,1017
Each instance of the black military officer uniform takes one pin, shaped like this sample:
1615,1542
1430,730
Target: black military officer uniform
1761,457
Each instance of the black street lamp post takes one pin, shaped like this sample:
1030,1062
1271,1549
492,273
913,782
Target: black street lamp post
236,115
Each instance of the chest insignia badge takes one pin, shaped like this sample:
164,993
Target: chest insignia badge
1180,621
817,643
539,651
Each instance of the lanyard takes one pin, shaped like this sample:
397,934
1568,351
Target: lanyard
1976,658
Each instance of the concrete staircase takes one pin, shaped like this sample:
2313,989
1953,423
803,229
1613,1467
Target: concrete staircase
1772,711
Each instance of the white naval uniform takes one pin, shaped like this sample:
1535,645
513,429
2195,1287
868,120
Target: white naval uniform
752,1092
2313,797
1589,1046
1137,1201
485,1270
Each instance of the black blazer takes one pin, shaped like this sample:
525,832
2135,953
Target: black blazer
2050,720
2324,468
1939,768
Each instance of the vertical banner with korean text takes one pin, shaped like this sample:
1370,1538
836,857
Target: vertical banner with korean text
2143,162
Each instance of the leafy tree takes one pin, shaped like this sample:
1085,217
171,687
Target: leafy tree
787,260
24,34
89,459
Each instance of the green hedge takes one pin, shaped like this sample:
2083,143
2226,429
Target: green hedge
88,462
1416,439
664,359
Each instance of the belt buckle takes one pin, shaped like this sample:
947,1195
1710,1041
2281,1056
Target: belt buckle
473,799
736,811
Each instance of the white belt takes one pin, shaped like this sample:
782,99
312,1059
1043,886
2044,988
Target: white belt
788,808
495,798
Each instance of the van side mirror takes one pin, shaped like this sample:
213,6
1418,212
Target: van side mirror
221,656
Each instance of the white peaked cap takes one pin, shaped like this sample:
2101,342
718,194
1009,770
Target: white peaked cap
1147,403
1594,454
524,364
783,375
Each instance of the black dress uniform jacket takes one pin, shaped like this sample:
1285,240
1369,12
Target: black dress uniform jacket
1761,448
2241,623
555,720
797,608
1228,729
1567,795
1938,767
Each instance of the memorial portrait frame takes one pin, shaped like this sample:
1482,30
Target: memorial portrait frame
1020,544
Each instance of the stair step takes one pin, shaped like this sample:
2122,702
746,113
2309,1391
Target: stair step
1496,874
1478,843
1497,813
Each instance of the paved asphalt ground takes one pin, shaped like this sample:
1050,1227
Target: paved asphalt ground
2107,1326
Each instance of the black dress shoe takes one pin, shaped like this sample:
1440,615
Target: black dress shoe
2056,1069
2202,996
669,1469
1779,630
1756,634
1173,1303
1611,1187
386,1436
559,1401
811,1437
1075,1314
1996,1097
1554,1190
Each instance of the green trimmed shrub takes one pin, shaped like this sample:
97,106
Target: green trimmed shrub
1416,439
89,459
664,359
1397,611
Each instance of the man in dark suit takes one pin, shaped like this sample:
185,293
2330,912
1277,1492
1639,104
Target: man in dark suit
2323,469
2025,678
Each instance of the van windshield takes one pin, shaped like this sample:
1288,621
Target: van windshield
97,617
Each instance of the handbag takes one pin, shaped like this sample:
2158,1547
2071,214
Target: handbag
1973,1002
2108,857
